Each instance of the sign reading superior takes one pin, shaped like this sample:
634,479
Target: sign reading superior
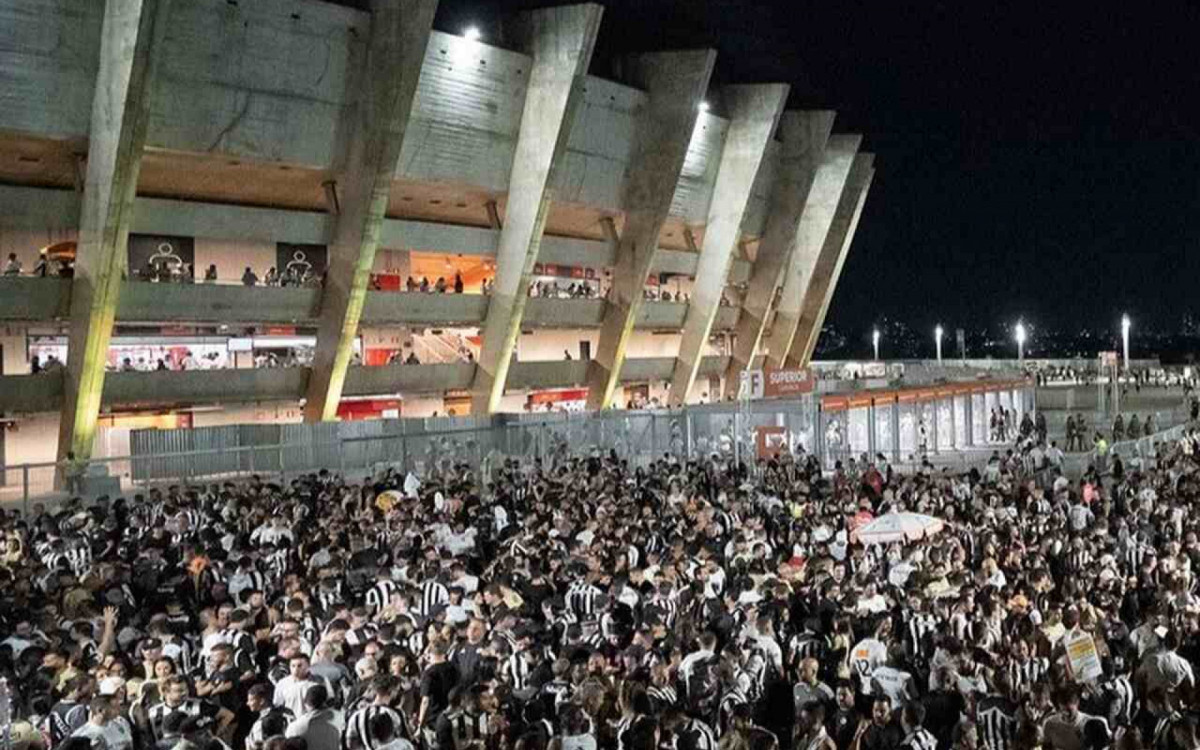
770,383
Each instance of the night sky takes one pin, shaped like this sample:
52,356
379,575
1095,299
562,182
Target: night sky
1037,159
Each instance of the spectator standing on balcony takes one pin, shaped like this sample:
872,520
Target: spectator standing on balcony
272,277
440,286
566,356
249,278
458,283
424,284
66,269
39,270
411,284
13,266
210,276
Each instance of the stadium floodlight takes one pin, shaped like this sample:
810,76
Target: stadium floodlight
937,336
1020,342
473,34
1125,326
875,342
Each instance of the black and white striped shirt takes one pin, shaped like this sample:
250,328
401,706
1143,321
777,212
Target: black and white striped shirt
433,593
806,645
466,729
663,696
252,580
159,712
696,735
518,671
997,722
919,739
920,626
583,600
382,594
1079,560
1023,675
358,726
729,703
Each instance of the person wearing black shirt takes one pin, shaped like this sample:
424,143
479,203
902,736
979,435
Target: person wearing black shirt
436,683
881,732
842,723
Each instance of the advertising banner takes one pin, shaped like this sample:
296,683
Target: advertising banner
787,382
299,262
161,256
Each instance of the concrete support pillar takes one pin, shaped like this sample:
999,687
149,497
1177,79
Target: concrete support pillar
803,136
814,226
388,83
829,264
676,83
561,41
754,113
131,38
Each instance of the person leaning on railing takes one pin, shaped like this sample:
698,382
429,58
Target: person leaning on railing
73,470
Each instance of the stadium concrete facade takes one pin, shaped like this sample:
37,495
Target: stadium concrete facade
243,126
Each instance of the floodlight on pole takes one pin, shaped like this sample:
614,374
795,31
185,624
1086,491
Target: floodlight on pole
472,34
1125,326
937,336
1020,342
875,341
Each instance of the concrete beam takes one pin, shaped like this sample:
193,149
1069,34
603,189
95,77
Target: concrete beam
675,83
561,41
814,226
129,50
754,113
399,34
803,136
833,256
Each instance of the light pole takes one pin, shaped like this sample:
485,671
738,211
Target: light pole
875,341
937,336
1021,343
1125,324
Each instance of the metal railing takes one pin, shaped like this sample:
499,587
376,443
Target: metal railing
290,450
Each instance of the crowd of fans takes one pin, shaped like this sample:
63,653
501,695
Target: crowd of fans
584,603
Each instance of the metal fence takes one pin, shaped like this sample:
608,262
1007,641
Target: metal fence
283,451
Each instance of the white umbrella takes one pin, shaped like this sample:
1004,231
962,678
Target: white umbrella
898,527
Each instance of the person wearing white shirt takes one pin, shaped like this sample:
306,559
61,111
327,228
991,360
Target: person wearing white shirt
290,691
1080,517
708,645
896,684
867,655
1054,455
